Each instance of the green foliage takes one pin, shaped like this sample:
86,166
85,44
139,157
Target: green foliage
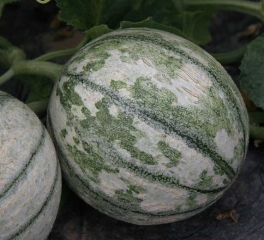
97,31
150,23
251,77
195,26
84,14
164,15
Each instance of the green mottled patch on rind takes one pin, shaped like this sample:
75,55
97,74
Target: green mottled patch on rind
153,57
172,154
72,97
205,180
149,95
63,133
98,62
191,202
118,128
89,161
218,170
117,84
128,196
76,140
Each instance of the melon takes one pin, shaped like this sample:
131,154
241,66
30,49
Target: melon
149,128
30,177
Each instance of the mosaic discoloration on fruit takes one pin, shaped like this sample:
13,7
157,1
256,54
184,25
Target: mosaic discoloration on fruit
147,127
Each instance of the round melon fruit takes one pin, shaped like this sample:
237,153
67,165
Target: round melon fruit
30,178
150,129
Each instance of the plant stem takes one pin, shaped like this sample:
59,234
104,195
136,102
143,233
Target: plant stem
62,53
39,106
230,57
257,132
47,69
56,54
253,8
6,76
4,61
256,117
11,55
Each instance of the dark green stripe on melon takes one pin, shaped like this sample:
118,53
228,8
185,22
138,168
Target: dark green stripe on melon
23,173
46,203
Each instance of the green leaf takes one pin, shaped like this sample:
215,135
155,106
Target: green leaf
150,23
39,87
85,14
4,2
196,26
97,31
252,74
163,12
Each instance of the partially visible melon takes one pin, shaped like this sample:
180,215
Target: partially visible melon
30,177
150,129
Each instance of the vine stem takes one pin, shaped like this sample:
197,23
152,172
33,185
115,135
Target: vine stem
62,53
257,132
230,57
256,117
47,69
6,76
39,106
252,8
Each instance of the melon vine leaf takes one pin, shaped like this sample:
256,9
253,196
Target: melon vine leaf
84,14
251,76
97,31
161,11
195,26
150,23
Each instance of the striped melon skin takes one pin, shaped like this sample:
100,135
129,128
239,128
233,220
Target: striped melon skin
30,177
150,128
